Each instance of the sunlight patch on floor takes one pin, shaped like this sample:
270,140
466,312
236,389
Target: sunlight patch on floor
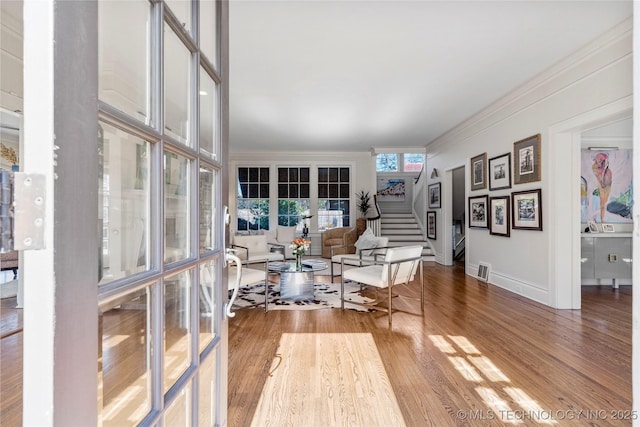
475,367
327,379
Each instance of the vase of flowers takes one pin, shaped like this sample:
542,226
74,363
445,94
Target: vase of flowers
299,247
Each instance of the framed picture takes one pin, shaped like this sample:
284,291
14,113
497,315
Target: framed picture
479,172
526,154
499,217
608,228
431,225
478,211
593,227
527,210
434,195
500,172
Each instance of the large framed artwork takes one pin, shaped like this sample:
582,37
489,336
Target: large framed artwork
479,172
500,172
390,190
527,210
499,216
606,187
431,225
478,211
434,195
526,154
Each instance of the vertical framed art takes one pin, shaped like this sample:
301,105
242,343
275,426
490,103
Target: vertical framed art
479,172
478,211
500,172
527,210
434,195
431,225
499,216
526,155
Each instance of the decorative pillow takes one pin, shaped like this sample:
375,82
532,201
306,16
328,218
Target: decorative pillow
366,241
286,234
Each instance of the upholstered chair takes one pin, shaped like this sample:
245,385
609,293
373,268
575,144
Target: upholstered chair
341,236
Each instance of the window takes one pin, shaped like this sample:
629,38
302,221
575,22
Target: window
413,162
253,199
333,197
293,196
410,162
387,163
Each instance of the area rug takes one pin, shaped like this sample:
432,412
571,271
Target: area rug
326,295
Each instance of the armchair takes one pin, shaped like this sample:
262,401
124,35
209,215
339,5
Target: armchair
341,236
398,267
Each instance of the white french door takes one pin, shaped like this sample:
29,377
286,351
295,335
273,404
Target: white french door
126,119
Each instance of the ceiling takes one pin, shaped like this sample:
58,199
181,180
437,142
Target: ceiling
351,75
354,75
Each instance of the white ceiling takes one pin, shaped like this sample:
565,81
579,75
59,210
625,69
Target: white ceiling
318,75
351,75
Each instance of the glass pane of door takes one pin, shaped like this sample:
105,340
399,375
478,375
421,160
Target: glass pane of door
176,87
123,208
176,207
124,382
123,57
208,218
177,326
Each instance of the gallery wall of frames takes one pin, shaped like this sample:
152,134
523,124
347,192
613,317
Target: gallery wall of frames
501,212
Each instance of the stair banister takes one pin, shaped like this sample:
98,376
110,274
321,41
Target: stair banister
374,222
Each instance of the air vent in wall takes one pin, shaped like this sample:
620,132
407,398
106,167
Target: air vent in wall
483,271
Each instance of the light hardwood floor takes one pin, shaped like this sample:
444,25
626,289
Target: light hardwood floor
477,354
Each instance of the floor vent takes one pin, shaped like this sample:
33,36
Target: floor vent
483,271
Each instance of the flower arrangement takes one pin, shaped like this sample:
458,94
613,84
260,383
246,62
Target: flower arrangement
299,246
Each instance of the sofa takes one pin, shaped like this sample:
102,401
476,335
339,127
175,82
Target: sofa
282,236
342,236
9,261
255,247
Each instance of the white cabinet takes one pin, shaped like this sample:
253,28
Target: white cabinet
606,256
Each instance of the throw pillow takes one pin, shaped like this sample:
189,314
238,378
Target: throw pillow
366,241
286,234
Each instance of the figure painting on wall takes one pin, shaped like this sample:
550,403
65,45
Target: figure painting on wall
606,186
603,175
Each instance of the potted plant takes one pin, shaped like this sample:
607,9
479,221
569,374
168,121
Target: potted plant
363,204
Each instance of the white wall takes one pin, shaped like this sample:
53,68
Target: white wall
363,177
527,263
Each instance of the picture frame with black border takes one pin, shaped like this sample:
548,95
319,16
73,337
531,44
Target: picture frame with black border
479,172
499,216
434,196
499,170
431,225
478,210
526,159
526,207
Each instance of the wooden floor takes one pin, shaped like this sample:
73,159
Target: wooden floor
479,356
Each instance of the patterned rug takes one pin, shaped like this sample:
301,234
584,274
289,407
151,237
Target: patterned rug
326,295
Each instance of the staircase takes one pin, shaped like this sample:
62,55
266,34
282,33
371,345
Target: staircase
403,230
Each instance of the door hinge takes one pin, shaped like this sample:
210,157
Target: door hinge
22,211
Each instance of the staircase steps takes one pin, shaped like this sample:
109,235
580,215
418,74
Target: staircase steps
403,230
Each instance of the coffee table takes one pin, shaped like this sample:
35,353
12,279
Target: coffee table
297,284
